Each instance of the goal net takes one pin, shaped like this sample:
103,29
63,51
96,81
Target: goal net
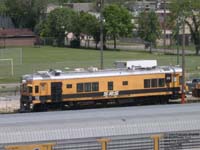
15,53
6,67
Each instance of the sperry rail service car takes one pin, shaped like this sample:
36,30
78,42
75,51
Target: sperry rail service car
48,89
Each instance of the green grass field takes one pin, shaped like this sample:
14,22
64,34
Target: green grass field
44,58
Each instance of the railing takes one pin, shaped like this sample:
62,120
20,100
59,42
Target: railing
164,141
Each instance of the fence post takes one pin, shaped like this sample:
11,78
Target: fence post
103,142
156,139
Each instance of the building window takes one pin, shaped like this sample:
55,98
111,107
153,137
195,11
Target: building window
110,85
69,86
80,87
161,82
125,83
87,87
36,89
154,83
95,86
147,83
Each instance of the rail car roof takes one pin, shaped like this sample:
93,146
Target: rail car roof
54,74
95,123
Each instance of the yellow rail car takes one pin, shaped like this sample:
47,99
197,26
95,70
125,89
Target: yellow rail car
46,89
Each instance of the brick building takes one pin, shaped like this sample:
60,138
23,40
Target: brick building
16,37
10,36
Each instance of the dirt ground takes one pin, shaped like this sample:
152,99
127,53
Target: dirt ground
9,104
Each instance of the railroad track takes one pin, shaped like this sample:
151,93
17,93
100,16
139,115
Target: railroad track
11,104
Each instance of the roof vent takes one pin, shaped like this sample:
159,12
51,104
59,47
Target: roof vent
55,72
135,64
79,69
92,69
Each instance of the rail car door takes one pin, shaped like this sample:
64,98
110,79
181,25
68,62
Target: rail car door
56,91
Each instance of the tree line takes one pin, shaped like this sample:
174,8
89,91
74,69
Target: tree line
117,20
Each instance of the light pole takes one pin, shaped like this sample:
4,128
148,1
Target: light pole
182,22
177,39
164,26
183,64
100,5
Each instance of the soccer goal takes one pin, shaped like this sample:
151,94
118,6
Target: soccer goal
15,53
6,67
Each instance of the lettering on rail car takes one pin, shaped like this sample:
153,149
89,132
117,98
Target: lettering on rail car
111,93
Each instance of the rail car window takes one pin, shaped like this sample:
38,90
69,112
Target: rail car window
24,88
161,82
154,83
36,89
147,83
30,89
87,87
95,86
80,87
125,83
110,85
168,77
69,86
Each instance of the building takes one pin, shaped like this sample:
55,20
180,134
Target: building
11,36
16,37
161,8
79,7
6,22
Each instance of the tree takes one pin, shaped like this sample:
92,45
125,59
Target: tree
58,22
148,27
188,11
117,21
3,8
25,13
90,26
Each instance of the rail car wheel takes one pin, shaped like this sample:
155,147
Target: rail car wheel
164,100
24,108
35,108
104,103
40,107
72,104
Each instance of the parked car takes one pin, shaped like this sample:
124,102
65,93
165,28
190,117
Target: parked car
192,84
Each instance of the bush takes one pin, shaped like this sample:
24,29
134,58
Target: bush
75,43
